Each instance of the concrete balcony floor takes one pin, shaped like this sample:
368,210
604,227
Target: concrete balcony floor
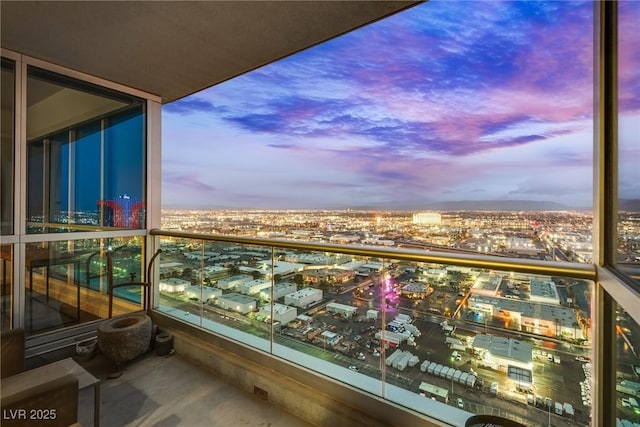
169,391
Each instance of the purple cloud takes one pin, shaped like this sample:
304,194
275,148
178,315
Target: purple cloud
190,105
426,104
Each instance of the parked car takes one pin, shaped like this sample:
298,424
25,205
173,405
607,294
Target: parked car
460,403
354,368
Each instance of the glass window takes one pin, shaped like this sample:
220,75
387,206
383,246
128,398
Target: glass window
7,146
6,286
85,156
628,369
67,281
629,138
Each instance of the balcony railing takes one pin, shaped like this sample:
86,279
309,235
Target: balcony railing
438,333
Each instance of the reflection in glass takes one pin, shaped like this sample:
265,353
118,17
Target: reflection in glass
85,156
67,283
628,370
6,287
439,339
7,138
629,138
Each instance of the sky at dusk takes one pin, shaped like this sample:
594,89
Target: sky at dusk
446,101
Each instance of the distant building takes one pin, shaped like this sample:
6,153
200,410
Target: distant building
281,289
169,268
333,276
500,353
415,290
123,212
434,273
173,285
544,291
284,288
202,293
237,302
281,313
304,297
279,268
542,319
344,238
522,245
233,282
427,218
487,284
254,286
211,272
312,258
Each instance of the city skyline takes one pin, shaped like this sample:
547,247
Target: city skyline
419,108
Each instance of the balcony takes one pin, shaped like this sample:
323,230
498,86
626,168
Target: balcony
326,364
325,314
158,390
290,321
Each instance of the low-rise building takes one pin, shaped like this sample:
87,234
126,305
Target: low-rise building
281,313
202,293
487,284
237,302
233,282
500,353
280,290
173,285
254,286
333,276
537,318
211,272
544,291
304,297
415,290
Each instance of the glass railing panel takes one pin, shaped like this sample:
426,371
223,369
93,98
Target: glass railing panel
67,281
628,369
7,144
6,287
336,300
175,267
440,339
628,253
489,342
222,287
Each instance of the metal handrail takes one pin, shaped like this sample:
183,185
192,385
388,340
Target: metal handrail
566,269
146,284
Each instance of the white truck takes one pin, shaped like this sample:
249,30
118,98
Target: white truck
494,388
568,409
446,327
558,408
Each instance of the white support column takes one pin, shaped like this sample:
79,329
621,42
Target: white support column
154,187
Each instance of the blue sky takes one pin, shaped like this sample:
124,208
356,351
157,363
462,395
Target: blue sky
449,100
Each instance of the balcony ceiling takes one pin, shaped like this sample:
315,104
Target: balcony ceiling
173,49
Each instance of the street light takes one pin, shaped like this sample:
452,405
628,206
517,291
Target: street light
452,386
551,401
